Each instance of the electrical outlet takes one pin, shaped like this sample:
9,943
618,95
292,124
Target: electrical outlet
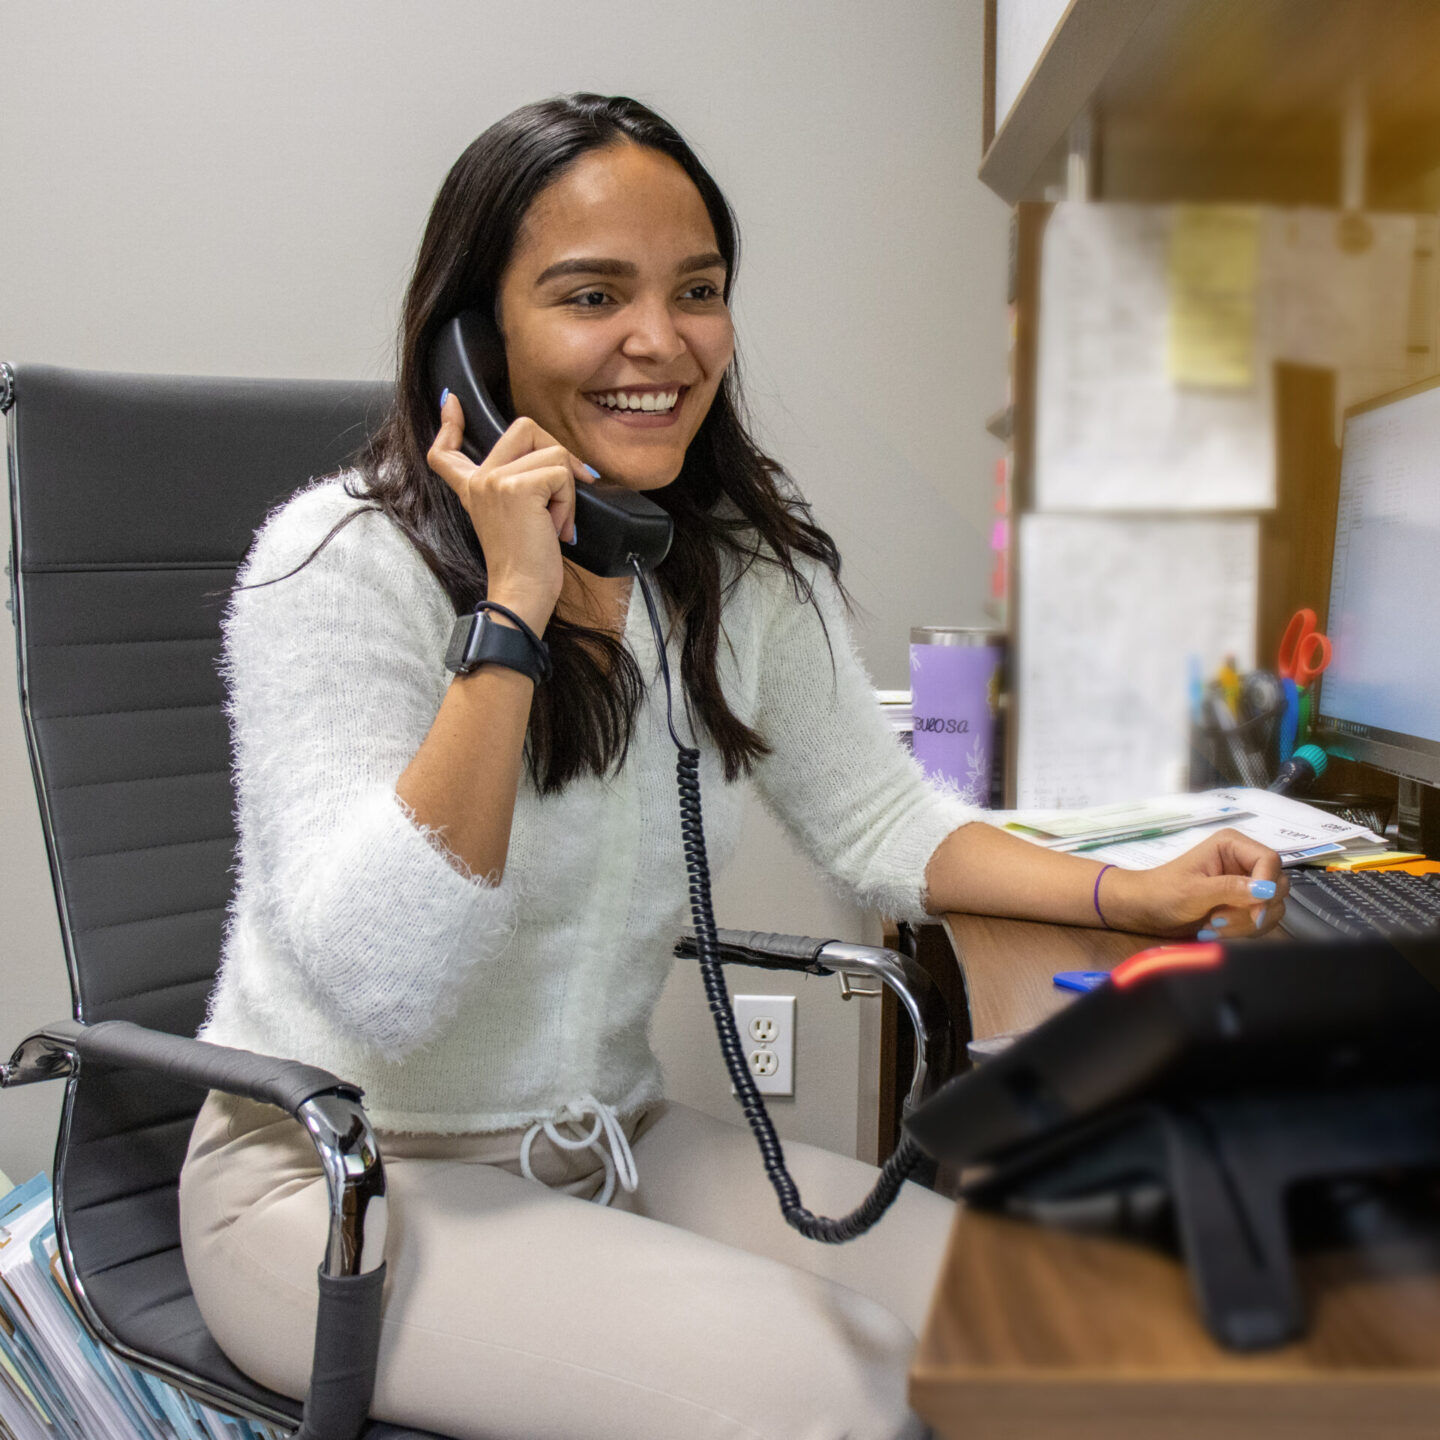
767,1030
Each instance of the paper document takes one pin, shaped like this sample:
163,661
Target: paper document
1329,303
1160,326
1114,429
1290,827
1114,610
1077,829
1295,830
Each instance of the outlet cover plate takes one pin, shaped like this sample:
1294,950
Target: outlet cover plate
767,1028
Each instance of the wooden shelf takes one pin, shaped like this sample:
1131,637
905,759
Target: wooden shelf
1228,99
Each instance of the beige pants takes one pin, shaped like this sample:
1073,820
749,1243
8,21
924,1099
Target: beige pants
686,1310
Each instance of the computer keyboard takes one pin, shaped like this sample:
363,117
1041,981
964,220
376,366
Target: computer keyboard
1361,904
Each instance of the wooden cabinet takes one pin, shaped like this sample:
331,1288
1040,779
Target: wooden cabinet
1221,99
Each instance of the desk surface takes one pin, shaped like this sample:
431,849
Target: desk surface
1008,965
1039,1334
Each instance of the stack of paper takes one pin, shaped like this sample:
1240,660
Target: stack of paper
56,1383
1139,837
899,711
1102,825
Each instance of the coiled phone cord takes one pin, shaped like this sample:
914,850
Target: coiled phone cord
907,1155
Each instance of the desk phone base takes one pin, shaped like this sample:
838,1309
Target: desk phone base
1224,1180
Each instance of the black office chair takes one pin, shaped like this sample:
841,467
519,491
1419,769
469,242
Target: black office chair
134,499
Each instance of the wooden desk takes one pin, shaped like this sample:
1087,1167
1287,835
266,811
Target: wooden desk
1008,965
1042,1334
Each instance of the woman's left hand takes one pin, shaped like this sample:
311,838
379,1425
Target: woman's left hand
1228,884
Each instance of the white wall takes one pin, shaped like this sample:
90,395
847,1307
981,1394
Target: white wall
238,188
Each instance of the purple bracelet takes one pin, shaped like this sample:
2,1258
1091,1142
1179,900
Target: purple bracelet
1096,896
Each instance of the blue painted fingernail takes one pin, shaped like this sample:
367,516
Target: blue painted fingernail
444,396
591,471
1260,916
1263,889
574,534
1206,935
1218,922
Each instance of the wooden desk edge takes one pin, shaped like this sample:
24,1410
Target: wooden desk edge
1334,1406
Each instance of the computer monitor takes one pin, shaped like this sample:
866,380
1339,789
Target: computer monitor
1379,701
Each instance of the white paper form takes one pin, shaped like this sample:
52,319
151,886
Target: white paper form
1114,610
1283,824
1114,431
1277,821
1337,291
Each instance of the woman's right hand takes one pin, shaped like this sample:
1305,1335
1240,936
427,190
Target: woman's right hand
520,500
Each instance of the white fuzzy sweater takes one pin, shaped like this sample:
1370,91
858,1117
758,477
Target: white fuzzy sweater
354,943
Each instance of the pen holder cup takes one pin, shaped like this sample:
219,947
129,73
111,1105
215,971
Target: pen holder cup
1242,754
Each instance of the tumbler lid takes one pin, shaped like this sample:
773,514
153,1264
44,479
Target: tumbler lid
955,635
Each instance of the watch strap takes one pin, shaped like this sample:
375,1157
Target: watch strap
476,640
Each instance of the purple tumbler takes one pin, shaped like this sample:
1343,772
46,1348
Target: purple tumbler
955,685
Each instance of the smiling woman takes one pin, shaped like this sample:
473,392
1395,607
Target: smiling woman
463,892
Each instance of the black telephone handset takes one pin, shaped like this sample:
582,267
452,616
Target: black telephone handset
613,525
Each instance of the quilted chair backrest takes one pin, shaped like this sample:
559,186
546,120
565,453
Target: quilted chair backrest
133,499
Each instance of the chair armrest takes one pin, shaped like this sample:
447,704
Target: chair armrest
329,1108
347,1323
284,1083
930,1018
760,947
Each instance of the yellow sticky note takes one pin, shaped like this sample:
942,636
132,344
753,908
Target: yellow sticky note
1390,858
1214,261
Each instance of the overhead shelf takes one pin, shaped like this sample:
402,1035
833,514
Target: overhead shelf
1227,99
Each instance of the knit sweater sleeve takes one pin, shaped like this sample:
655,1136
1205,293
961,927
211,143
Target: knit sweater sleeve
837,777
335,675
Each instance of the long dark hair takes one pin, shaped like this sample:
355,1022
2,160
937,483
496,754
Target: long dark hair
731,502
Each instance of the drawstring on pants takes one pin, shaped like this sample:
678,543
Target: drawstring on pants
618,1159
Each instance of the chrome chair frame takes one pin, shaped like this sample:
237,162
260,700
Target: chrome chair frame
344,1142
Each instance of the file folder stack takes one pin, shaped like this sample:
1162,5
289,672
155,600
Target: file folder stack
56,1383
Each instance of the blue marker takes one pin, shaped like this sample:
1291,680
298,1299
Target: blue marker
1080,979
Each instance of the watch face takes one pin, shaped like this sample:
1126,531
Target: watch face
475,642
459,646
477,651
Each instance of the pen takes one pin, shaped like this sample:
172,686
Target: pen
1126,839
1152,833
1229,682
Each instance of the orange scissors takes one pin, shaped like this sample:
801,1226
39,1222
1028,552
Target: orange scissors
1304,652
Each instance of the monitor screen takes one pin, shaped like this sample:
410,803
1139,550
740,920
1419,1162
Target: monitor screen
1380,698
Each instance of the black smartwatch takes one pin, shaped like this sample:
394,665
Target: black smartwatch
476,640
